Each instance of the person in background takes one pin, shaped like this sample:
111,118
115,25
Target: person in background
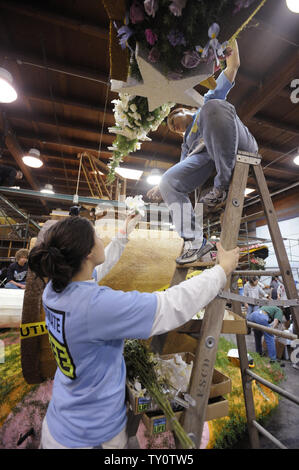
88,323
281,293
266,316
211,139
252,289
74,211
274,286
9,175
17,272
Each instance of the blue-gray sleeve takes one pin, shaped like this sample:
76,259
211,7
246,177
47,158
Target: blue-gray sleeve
114,314
222,89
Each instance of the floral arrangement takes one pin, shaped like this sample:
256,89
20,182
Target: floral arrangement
172,32
136,204
256,263
133,121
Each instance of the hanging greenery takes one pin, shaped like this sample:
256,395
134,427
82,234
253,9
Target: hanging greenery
133,121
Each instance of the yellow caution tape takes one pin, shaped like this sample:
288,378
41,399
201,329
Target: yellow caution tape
29,330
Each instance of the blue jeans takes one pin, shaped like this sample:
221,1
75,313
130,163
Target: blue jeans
262,319
223,134
251,308
10,285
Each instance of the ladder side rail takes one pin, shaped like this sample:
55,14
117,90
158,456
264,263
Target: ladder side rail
277,241
201,378
246,380
284,393
268,435
272,331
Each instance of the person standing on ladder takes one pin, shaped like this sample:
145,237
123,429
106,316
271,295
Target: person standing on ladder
212,137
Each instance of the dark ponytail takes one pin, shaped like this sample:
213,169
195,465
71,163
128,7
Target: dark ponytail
59,257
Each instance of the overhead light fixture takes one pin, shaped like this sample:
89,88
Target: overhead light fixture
48,189
7,92
128,173
248,191
296,160
154,177
293,5
32,159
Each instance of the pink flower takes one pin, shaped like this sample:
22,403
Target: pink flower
190,59
154,55
136,12
151,7
151,37
177,6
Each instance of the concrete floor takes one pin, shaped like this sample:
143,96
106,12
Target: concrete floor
283,423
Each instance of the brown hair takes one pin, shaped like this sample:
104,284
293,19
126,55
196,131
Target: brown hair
175,112
22,253
60,255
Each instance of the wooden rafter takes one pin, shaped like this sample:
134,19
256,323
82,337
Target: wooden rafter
286,72
56,19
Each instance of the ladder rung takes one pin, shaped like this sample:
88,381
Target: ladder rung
268,435
273,387
257,273
196,264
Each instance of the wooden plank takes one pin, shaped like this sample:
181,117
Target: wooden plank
201,378
278,244
285,73
197,264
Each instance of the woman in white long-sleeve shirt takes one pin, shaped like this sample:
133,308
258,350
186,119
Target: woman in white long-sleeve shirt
254,290
88,324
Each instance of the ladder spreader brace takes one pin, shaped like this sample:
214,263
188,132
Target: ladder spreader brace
193,418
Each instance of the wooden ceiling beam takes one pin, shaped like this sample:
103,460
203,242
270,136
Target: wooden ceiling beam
170,145
64,101
286,72
16,151
80,146
274,148
246,78
277,124
56,19
59,67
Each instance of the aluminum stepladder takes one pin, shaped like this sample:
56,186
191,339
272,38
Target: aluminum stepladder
201,378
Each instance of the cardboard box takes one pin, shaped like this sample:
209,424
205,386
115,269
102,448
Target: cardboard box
232,324
156,423
221,385
236,324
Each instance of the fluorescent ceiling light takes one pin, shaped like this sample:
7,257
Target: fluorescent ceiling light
293,5
248,191
48,189
129,173
296,160
7,92
154,177
32,159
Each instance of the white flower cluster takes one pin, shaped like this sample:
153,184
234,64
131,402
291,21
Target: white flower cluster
136,204
130,123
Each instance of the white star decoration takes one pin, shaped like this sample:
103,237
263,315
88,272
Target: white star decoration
158,89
